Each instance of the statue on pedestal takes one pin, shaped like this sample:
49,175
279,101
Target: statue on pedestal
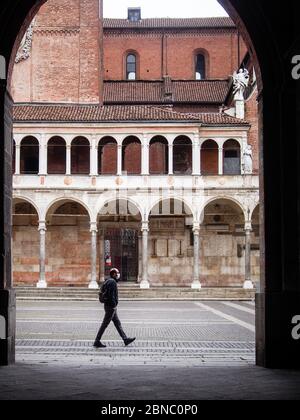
248,160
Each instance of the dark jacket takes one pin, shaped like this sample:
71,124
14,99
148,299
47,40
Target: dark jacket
110,285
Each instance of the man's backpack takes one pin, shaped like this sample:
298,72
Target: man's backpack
103,294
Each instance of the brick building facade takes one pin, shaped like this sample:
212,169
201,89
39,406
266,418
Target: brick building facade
128,151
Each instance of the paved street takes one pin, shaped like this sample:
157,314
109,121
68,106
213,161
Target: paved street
184,351
168,333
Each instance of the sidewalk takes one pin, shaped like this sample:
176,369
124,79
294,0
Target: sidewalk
92,382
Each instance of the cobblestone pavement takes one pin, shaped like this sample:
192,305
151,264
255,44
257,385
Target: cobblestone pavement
168,333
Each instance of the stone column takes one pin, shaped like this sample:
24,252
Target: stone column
145,231
196,282
42,284
119,159
18,160
221,160
43,156
94,157
248,281
145,156
196,156
140,275
171,170
68,166
93,283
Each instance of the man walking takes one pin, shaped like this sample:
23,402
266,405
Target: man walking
110,293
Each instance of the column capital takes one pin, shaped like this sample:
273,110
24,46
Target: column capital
42,226
248,226
145,227
93,227
196,228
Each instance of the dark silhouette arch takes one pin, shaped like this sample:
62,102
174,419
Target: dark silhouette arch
272,50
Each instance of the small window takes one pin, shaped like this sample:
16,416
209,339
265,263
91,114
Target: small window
131,67
134,14
200,67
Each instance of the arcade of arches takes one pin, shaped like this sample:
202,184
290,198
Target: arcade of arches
66,247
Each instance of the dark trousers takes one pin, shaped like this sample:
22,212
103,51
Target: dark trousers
110,315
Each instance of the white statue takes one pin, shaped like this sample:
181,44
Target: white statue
248,160
240,83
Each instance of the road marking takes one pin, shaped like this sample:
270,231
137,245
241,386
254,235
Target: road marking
240,307
142,323
227,317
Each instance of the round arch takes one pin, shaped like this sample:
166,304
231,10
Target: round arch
132,155
20,199
259,27
63,200
227,199
56,155
113,200
184,204
107,156
158,155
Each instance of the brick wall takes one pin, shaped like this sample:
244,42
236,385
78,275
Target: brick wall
221,50
108,160
132,158
158,158
209,158
65,55
252,118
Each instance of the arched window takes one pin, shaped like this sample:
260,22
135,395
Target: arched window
132,156
30,156
80,156
131,67
159,159
183,156
210,158
200,72
57,153
108,156
232,158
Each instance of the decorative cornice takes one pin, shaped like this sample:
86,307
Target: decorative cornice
57,31
157,33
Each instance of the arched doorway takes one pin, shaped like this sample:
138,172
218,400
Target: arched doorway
57,156
80,156
120,226
158,155
107,156
209,158
183,156
132,156
271,49
29,159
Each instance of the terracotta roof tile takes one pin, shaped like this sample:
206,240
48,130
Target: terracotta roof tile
149,92
94,113
213,22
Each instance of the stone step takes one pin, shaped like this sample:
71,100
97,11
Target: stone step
155,293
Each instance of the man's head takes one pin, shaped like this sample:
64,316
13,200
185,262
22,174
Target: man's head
115,274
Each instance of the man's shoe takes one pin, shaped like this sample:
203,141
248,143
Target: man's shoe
99,345
128,341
